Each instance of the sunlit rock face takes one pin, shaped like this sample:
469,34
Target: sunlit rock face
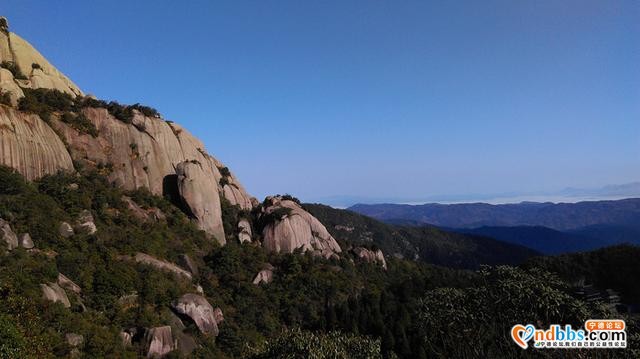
30,146
294,228
371,256
36,70
200,311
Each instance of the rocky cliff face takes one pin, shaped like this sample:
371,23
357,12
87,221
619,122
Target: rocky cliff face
143,153
141,150
37,71
30,146
294,228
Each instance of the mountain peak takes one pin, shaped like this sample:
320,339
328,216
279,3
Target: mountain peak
23,67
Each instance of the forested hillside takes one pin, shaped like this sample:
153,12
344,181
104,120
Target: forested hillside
425,243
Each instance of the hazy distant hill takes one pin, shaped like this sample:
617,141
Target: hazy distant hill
559,216
427,243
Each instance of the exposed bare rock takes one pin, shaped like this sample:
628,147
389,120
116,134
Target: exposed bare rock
151,214
186,262
66,230
371,256
8,235
160,342
54,293
25,241
244,231
159,264
199,289
198,192
68,284
30,146
18,51
126,338
265,275
295,228
9,85
218,316
200,311
74,339
146,153
85,223
135,209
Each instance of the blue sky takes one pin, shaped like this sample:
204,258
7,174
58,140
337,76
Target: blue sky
394,99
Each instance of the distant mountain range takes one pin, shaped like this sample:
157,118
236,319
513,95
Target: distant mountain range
550,228
569,194
424,243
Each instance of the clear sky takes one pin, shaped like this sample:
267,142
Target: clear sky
395,99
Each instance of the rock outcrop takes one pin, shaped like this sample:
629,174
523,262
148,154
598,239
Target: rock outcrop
54,293
8,235
200,311
38,72
65,230
371,256
264,276
74,339
146,259
147,215
198,192
244,231
160,342
68,284
291,228
25,241
30,146
85,223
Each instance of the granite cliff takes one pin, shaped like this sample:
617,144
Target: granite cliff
134,146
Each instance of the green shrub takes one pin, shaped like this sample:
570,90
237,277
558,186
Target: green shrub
224,171
35,66
11,182
296,343
44,102
80,122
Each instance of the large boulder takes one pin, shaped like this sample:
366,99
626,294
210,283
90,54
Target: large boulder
68,284
159,342
25,241
244,230
65,230
54,293
371,256
85,223
289,227
199,194
265,275
200,311
7,234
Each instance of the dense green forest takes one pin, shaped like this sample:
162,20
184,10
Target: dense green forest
314,307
